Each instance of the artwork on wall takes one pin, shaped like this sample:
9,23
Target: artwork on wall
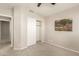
63,25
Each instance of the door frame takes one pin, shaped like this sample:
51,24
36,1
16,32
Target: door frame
10,20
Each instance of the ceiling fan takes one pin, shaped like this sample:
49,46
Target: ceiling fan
39,4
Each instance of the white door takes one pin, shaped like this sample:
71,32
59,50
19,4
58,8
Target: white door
31,31
38,31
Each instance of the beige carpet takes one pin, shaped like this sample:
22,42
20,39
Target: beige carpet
39,49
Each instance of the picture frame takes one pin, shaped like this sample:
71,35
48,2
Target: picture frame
63,25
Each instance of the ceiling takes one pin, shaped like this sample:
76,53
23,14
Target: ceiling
46,9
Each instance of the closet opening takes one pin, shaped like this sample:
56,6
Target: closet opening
5,33
38,31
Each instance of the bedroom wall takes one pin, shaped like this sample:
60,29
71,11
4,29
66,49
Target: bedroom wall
8,12
31,28
63,38
19,40
24,27
5,11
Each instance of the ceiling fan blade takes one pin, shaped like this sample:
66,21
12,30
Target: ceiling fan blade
39,4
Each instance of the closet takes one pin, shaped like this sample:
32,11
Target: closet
38,30
4,30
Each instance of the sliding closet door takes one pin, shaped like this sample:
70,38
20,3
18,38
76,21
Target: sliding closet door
0,30
5,30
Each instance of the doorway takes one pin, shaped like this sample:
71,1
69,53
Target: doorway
4,33
38,31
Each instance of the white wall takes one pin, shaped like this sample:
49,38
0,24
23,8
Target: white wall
31,28
24,28
19,28
63,38
31,31
5,11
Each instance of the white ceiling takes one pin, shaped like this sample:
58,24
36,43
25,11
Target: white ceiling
46,9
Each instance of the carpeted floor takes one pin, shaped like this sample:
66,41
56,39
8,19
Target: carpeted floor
39,49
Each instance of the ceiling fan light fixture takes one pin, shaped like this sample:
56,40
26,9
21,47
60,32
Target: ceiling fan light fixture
53,3
39,4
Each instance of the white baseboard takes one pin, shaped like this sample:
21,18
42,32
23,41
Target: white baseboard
19,48
60,46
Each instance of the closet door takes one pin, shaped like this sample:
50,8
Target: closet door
38,31
31,31
5,30
0,30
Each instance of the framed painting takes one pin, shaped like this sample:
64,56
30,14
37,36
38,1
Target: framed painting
63,25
